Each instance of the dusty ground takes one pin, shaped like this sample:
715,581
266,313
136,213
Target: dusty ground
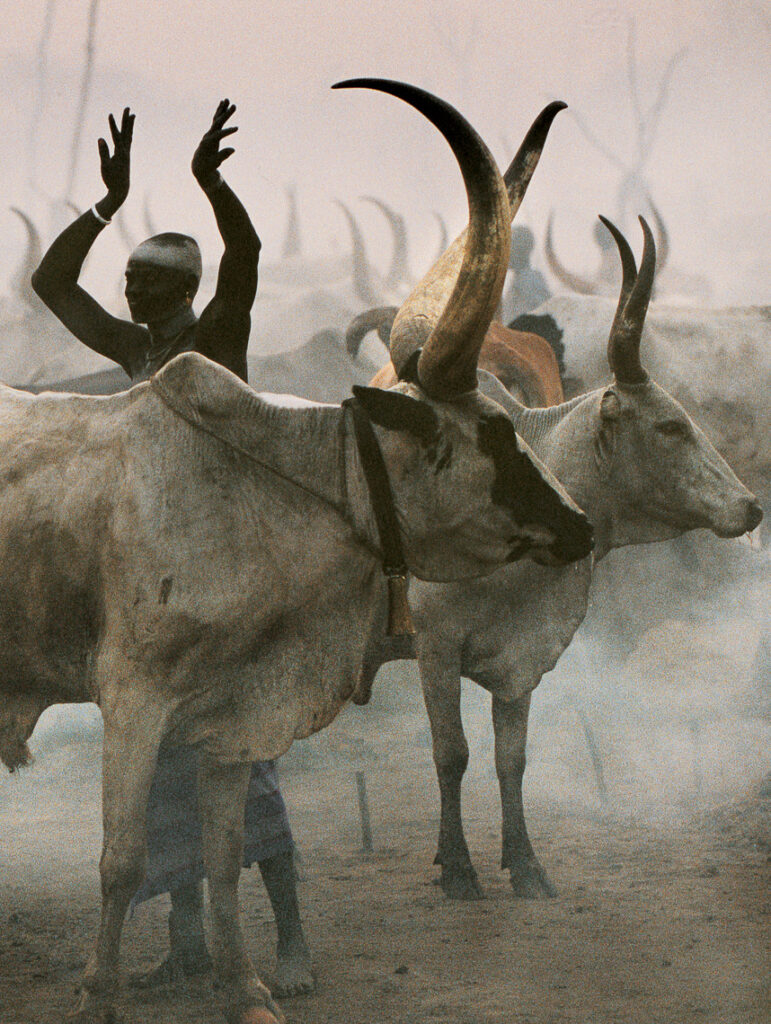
664,924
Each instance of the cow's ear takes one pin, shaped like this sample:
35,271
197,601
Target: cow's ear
610,406
395,411
610,411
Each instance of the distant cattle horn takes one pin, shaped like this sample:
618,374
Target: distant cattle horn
362,281
21,280
570,280
150,225
626,332
292,245
443,236
380,319
399,270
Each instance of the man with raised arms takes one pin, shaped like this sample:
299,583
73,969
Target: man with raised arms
162,278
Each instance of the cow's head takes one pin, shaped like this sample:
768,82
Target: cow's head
469,497
669,476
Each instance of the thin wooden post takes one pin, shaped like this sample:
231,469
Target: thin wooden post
366,827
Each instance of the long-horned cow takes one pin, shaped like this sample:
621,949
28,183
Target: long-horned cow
631,457
205,562
524,362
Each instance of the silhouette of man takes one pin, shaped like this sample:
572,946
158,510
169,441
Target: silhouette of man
162,278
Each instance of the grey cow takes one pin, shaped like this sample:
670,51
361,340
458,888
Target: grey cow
205,563
629,455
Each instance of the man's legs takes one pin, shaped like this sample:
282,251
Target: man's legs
294,976
188,954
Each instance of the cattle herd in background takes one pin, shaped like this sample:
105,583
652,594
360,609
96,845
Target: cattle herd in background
624,449
715,361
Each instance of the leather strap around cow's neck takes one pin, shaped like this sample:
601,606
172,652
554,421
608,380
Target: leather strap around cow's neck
382,500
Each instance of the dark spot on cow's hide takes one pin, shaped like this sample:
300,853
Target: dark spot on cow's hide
519,487
166,585
546,327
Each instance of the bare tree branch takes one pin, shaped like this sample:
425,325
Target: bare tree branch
85,88
41,88
587,132
653,118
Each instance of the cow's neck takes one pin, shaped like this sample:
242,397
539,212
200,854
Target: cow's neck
303,444
564,438
314,446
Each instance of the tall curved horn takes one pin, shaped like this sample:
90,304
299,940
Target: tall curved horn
362,279
628,272
399,270
522,167
443,236
661,235
448,313
20,284
626,332
380,319
292,245
572,281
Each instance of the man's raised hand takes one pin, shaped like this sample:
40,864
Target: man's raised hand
208,157
116,168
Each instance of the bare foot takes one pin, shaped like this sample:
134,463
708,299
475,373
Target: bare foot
294,974
171,971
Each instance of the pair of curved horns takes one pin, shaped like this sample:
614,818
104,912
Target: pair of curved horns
636,287
448,313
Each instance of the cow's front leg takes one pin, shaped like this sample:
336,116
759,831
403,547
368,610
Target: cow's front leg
221,797
528,878
440,677
133,729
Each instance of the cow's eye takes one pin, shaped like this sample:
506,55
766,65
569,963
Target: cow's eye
674,428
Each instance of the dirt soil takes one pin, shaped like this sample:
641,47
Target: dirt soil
665,924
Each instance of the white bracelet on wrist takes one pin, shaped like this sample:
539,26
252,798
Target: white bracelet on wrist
99,217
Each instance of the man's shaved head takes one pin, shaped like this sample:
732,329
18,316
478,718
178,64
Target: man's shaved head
171,251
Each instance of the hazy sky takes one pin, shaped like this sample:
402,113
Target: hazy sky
498,62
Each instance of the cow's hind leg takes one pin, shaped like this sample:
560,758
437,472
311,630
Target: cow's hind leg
133,728
441,692
222,797
528,878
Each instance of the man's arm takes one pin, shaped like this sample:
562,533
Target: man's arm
56,279
224,324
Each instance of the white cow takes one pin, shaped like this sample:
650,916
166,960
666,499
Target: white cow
205,563
634,461
716,362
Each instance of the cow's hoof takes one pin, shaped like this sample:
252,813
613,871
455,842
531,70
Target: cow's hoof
460,883
92,1010
258,1015
529,881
